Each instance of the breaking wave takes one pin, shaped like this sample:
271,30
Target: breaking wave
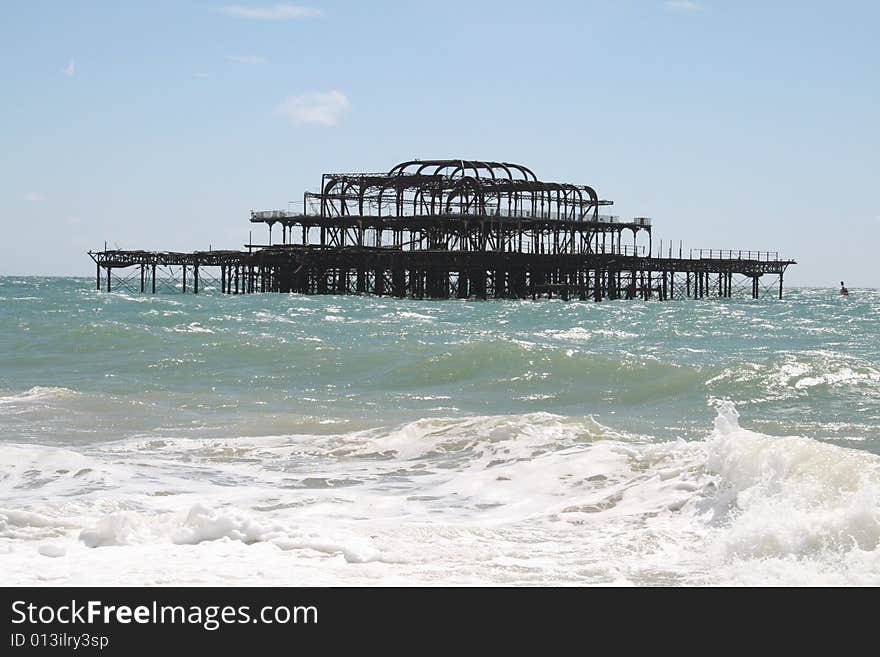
535,498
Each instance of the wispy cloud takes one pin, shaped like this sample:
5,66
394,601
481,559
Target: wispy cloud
273,13
246,59
201,76
682,6
323,107
33,197
70,69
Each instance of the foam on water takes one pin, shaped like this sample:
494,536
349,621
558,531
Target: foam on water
507,499
28,399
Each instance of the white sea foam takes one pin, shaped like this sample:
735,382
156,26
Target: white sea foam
52,550
579,334
794,496
534,498
192,327
36,394
205,524
112,529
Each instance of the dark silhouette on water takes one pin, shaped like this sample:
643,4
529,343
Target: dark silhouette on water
843,289
450,229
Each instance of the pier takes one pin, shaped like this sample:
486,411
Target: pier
440,229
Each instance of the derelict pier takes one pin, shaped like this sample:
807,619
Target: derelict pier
440,229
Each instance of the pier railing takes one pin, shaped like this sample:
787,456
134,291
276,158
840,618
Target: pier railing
732,254
624,250
268,215
280,215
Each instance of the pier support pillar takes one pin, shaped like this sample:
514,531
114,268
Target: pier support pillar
462,289
500,285
195,279
780,286
398,282
481,284
379,282
108,278
154,279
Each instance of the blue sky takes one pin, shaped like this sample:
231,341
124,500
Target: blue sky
160,124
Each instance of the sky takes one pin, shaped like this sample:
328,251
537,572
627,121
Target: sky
162,124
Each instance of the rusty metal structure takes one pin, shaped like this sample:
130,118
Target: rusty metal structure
444,229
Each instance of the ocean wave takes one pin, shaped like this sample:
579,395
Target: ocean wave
792,496
494,363
594,505
802,375
37,393
33,399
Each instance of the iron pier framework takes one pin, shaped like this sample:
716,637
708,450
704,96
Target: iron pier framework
444,229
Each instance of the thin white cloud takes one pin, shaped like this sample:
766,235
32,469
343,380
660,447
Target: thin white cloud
246,59
274,13
682,6
70,69
33,197
201,76
322,107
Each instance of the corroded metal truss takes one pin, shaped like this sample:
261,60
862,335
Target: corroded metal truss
453,205
437,187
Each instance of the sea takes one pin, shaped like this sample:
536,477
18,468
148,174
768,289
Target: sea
275,439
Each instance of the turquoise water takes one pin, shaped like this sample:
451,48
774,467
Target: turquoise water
809,365
236,388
